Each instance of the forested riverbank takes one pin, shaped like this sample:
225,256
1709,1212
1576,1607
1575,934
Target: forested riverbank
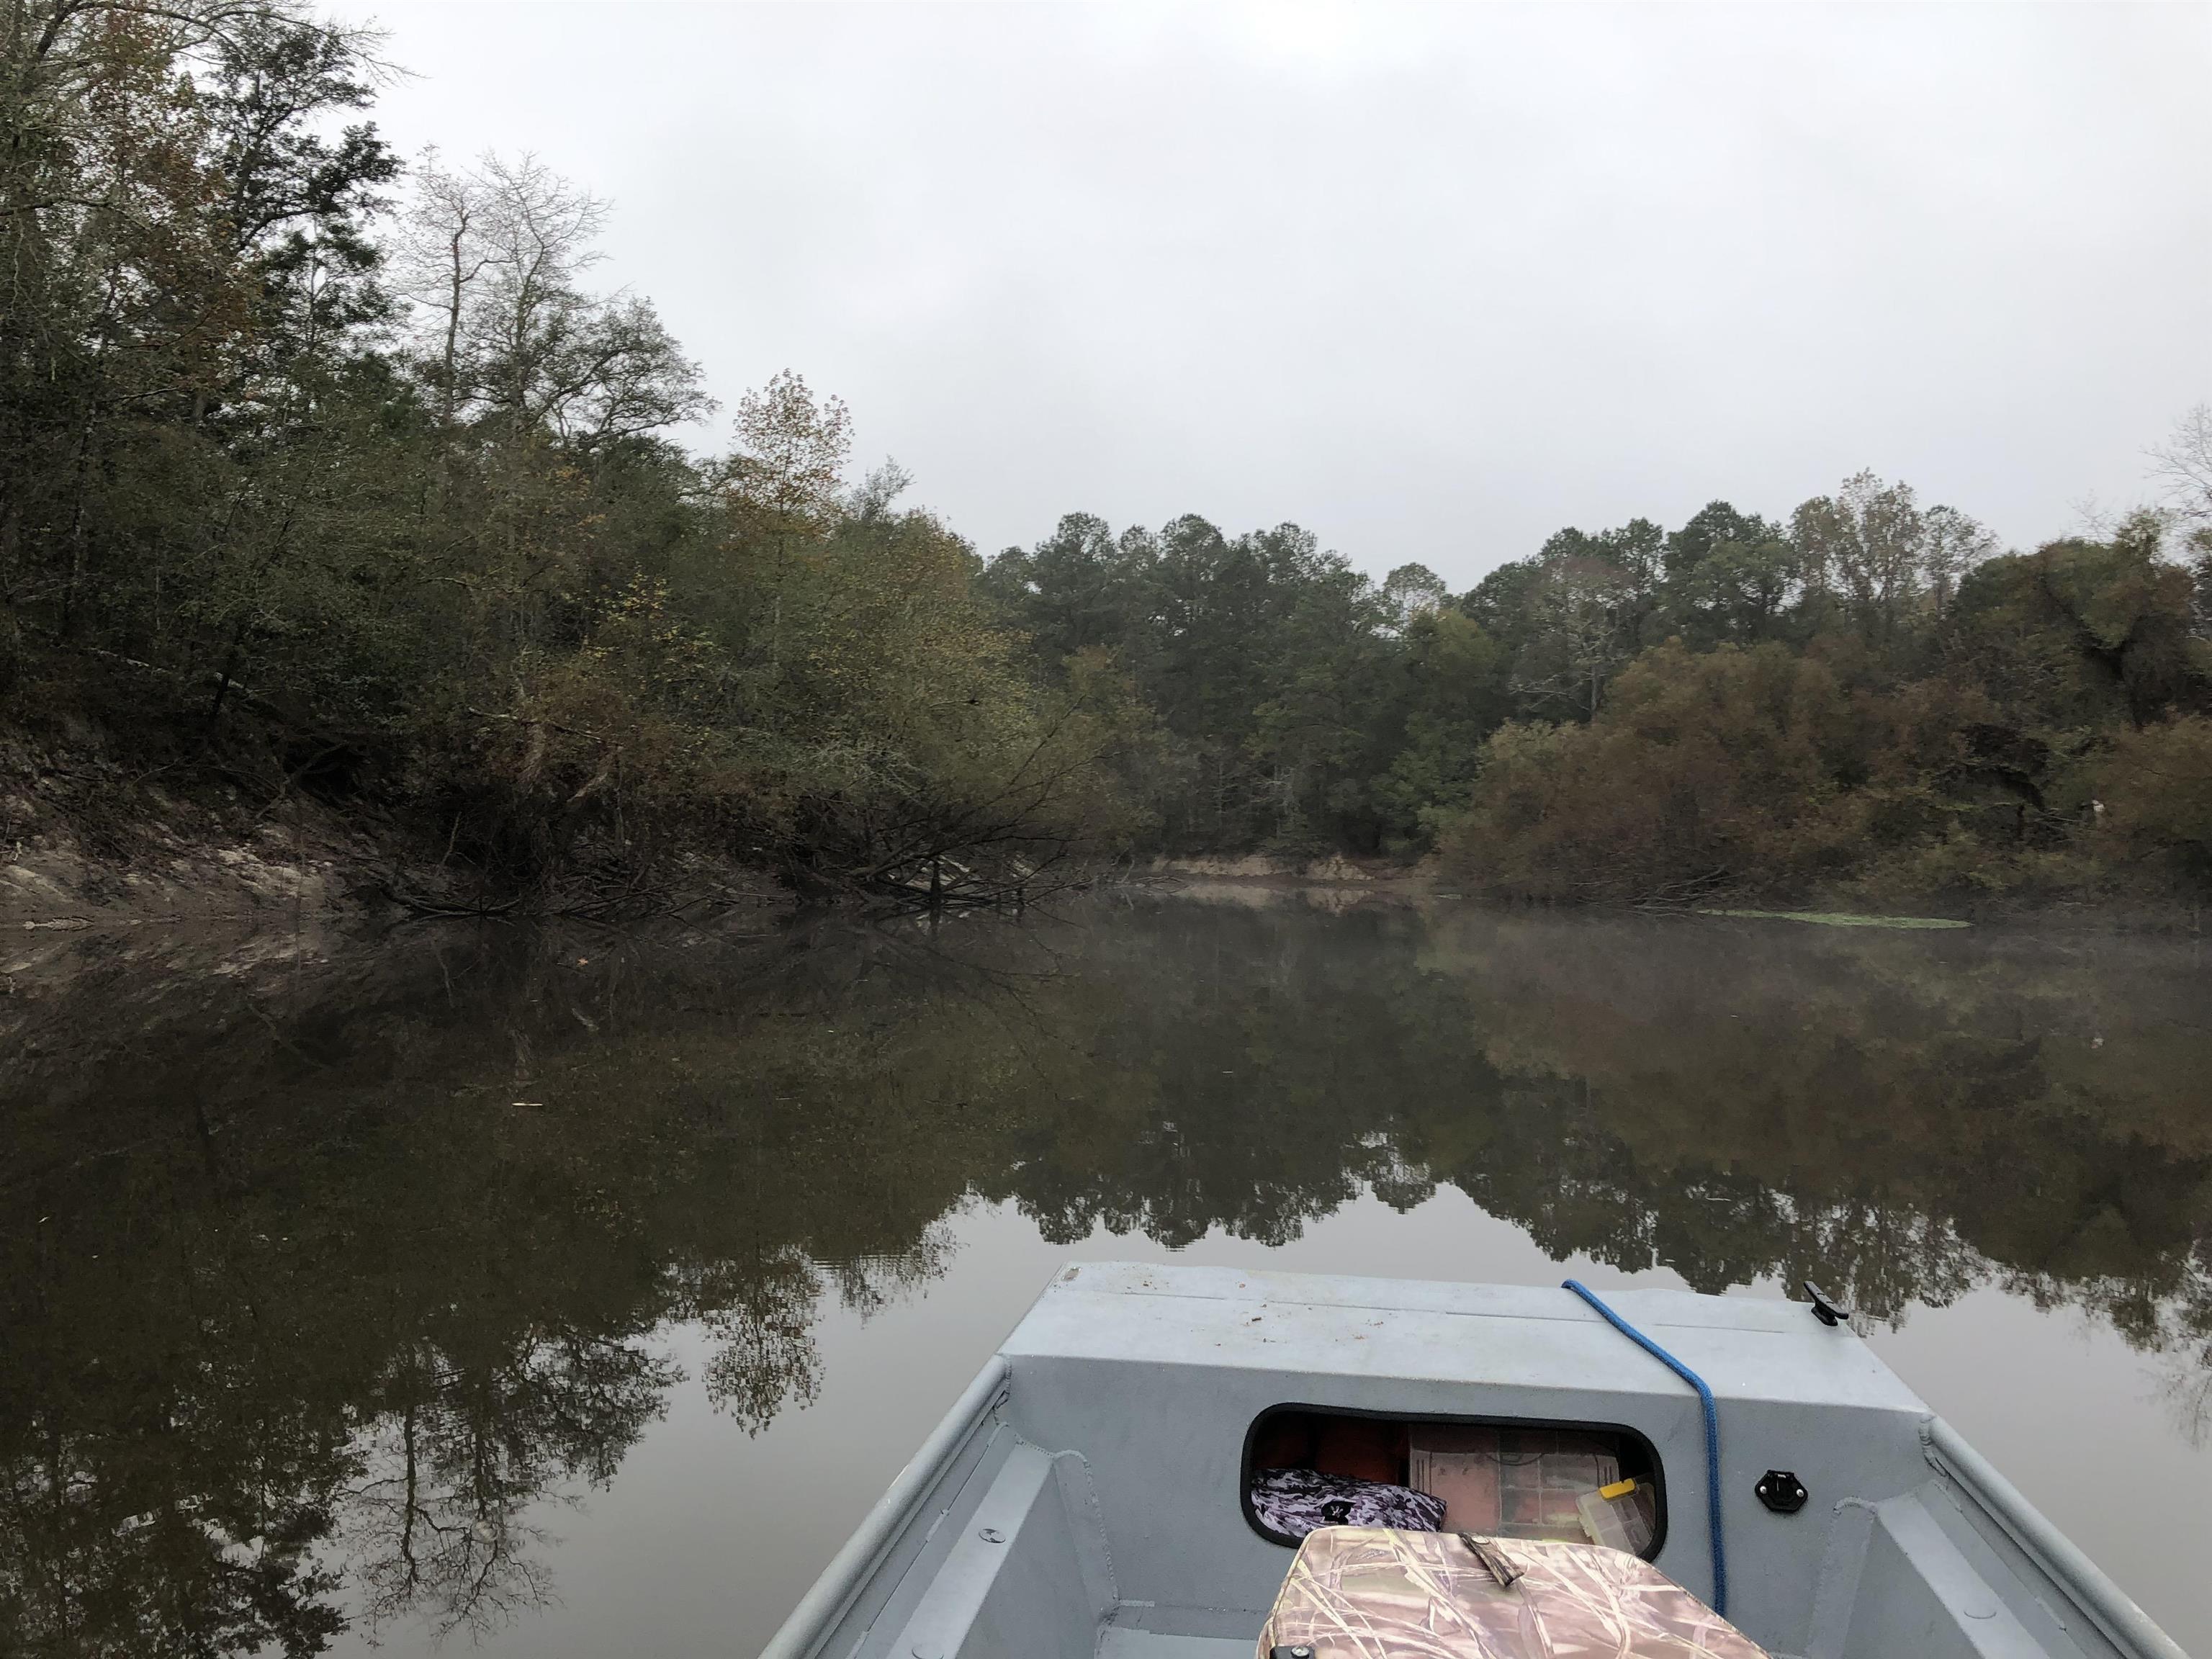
341,509
320,485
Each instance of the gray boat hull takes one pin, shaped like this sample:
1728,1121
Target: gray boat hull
1085,1497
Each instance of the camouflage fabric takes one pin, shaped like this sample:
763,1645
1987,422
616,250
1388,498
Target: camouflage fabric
1372,1593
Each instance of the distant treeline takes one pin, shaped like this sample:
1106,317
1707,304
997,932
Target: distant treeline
1871,695
312,488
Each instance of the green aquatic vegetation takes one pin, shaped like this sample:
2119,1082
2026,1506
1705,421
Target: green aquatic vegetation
1842,918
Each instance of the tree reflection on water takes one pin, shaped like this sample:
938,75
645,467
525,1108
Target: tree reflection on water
325,1268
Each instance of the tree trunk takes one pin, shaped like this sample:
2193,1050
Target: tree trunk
230,666
11,636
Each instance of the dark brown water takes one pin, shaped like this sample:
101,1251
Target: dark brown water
568,1294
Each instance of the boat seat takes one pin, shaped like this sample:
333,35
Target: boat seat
1373,1593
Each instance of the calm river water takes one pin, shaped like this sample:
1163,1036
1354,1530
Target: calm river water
563,1294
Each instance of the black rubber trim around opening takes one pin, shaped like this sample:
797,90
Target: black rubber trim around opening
1650,1552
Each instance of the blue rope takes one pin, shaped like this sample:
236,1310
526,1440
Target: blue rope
1712,1431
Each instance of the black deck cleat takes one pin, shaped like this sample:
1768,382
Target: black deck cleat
1825,1308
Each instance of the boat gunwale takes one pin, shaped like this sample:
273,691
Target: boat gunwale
2111,1609
841,1583
1679,1309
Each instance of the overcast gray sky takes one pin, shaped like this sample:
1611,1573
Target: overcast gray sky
1432,282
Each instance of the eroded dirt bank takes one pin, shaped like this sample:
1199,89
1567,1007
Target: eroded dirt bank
87,840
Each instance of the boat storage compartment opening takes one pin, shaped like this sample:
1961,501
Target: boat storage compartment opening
1306,1466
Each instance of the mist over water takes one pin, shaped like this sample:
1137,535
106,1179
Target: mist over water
559,1292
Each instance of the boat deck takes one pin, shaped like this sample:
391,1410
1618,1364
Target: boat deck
1087,1497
